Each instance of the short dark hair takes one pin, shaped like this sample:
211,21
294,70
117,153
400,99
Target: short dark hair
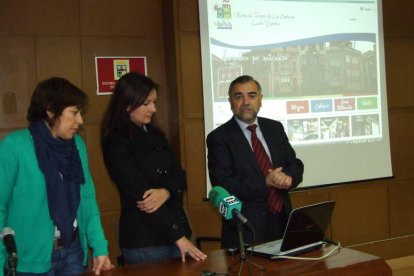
54,95
130,92
243,79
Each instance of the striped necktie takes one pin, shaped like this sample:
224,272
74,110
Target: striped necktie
274,200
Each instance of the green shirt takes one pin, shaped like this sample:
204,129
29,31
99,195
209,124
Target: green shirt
24,205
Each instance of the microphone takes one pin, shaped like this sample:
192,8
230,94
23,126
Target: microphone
7,235
229,206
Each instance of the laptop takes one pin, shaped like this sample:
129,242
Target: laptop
305,231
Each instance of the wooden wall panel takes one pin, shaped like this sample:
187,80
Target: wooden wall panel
398,17
192,95
188,19
195,161
205,221
152,49
171,80
65,53
46,17
106,191
401,197
121,18
17,79
361,213
389,249
110,225
402,148
306,197
399,63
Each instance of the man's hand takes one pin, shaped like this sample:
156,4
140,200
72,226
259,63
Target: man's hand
276,178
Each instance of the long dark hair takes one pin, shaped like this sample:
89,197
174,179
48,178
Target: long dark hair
130,92
54,95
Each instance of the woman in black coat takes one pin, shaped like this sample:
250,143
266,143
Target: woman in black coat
153,224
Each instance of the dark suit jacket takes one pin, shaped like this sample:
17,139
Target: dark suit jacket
232,165
138,163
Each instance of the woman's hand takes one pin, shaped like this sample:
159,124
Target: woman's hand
153,199
101,263
188,248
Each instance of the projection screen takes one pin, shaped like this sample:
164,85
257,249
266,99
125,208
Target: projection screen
321,67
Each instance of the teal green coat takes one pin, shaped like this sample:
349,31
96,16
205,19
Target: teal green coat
24,207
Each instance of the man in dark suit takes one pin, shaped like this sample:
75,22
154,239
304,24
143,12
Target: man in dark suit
233,164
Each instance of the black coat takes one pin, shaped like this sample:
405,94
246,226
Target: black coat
232,165
137,163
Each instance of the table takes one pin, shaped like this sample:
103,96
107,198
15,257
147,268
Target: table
344,262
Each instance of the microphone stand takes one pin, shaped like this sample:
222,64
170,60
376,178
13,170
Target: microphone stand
243,256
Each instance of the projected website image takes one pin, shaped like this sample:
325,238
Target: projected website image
303,129
335,68
321,66
334,127
365,125
334,77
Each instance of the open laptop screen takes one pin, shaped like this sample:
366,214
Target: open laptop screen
307,225
305,231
